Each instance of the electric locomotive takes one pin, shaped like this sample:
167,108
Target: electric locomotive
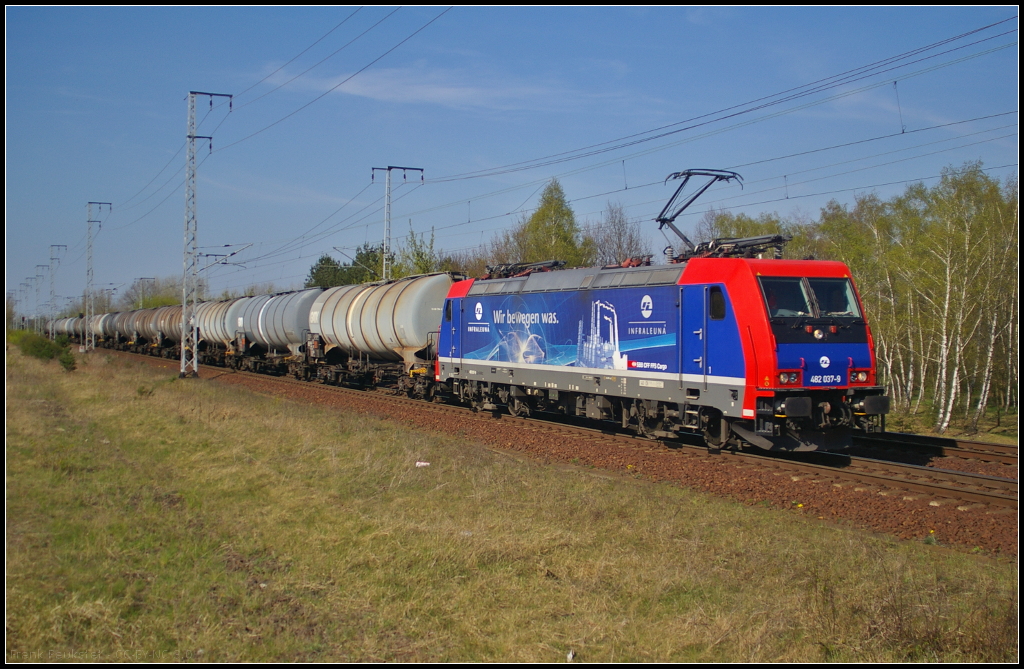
768,353
747,351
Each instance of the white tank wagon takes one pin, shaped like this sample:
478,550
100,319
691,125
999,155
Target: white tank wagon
60,326
247,320
133,324
53,325
213,323
107,329
146,326
168,323
266,333
233,322
282,322
96,325
395,321
122,327
77,327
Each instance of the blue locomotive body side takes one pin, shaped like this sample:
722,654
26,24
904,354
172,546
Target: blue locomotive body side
651,342
621,329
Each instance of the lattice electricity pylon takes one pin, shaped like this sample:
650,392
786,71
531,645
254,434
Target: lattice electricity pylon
89,307
40,322
55,251
190,270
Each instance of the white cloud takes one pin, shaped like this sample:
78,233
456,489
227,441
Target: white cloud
456,89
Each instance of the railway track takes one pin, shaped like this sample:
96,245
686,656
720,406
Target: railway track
944,486
942,447
938,487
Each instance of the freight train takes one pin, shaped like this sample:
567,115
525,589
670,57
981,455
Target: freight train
747,351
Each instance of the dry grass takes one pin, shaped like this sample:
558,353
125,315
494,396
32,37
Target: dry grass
156,519
994,426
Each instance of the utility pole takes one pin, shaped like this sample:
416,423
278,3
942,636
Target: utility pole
90,339
190,270
385,265
12,304
142,281
33,282
40,325
23,291
55,251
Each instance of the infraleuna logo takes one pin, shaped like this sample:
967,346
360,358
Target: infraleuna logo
479,311
824,362
646,306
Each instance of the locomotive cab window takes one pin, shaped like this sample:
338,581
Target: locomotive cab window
786,296
802,297
448,310
716,304
835,297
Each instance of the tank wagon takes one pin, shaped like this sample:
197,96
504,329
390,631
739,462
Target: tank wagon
365,333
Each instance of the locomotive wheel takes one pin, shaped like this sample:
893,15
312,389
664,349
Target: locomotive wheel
517,407
646,424
716,432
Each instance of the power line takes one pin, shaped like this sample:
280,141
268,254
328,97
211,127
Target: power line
577,171
180,148
299,55
347,44
770,201
335,228
791,94
338,85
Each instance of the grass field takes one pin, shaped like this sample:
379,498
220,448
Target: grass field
151,518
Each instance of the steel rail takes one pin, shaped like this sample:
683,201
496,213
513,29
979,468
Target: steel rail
941,446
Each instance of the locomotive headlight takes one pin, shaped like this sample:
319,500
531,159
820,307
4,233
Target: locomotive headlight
858,377
783,377
793,377
818,334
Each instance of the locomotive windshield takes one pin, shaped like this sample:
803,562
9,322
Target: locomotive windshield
834,297
814,298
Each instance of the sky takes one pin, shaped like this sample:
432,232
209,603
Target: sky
807,104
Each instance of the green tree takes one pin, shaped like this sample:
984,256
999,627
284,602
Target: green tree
418,256
721,224
325,272
616,238
937,269
147,293
365,267
551,233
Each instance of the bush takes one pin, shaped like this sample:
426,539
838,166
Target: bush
38,347
67,360
44,349
15,336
